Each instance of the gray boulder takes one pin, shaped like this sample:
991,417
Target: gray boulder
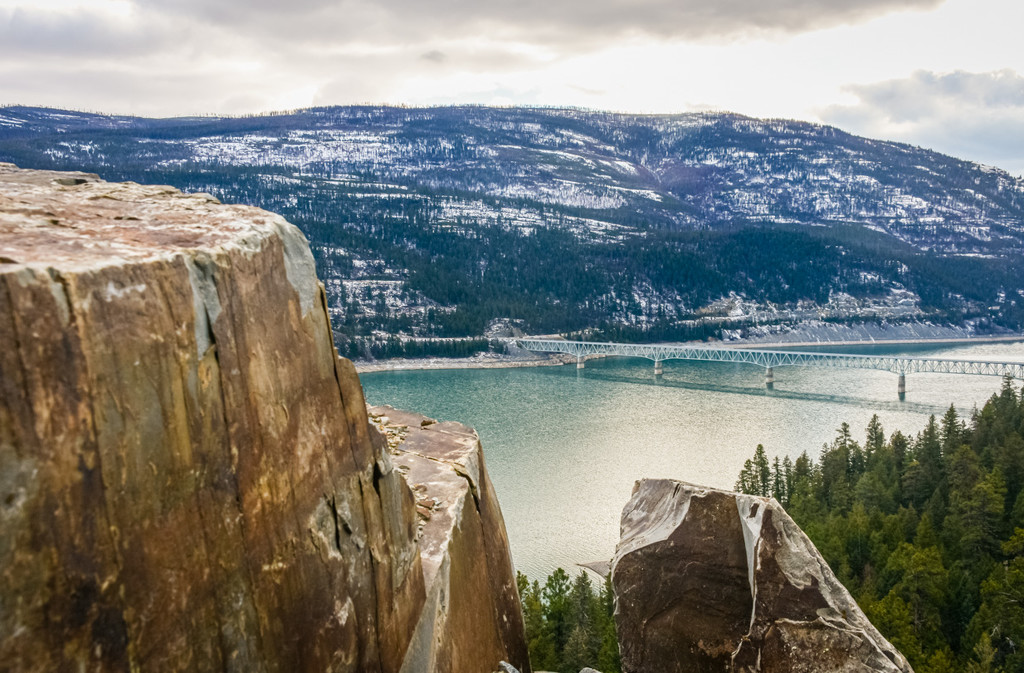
708,580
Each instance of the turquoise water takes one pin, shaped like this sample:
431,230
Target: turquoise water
564,447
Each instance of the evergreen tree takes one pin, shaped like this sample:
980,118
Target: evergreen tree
788,477
748,481
900,446
608,651
764,477
875,439
922,583
778,481
577,652
557,609
928,453
952,431
583,614
538,636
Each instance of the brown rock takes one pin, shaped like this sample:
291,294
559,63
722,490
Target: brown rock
464,550
708,580
188,480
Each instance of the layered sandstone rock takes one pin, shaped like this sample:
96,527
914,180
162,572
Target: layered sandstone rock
465,549
708,580
188,478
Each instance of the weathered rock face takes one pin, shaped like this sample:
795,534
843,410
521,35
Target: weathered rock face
708,581
465,550
188,478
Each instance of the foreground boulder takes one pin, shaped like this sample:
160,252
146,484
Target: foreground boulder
708,580
188,477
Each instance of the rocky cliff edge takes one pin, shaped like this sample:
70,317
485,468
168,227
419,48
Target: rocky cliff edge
188,477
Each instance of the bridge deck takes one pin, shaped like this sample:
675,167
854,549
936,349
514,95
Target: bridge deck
769,358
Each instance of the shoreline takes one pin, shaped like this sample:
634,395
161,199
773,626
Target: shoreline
559,359
492,362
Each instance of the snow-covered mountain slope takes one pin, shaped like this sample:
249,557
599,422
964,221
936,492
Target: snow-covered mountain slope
650,211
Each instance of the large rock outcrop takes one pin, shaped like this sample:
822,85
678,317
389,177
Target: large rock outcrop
188,477
708,581
465,549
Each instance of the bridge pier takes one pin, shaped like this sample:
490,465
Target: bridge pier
658,371
579,362
901,386
769,378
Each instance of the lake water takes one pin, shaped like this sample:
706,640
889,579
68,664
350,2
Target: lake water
564,447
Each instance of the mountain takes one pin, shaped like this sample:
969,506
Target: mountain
440,221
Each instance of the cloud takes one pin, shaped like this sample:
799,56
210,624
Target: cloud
79,33
435,56
220,56
132,90
979,116
555,23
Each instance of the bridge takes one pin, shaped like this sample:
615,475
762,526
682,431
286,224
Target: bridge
770,359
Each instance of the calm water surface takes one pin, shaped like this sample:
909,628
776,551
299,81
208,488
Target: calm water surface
564,448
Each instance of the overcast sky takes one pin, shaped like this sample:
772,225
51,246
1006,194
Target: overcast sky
944,74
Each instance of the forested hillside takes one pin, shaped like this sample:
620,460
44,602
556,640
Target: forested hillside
435,222
926,532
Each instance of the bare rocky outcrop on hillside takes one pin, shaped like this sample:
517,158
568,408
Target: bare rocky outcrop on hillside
188,477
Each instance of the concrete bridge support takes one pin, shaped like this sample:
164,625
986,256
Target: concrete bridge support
579,362
901,386
658,371
769,378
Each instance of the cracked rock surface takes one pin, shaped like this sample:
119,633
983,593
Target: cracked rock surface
188,477
708,580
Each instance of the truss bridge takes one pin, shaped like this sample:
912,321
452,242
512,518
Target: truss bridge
770,359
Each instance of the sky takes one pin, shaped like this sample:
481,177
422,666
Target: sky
942,74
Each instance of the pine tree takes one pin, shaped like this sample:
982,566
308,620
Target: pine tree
763,472
608,651
900,446
557,609
577,652
778,481
787,472
922,584
892,617
875,439
581,618
982,517
538,638
952,431
747,481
